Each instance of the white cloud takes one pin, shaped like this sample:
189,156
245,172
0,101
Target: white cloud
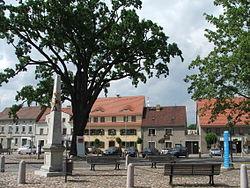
183,22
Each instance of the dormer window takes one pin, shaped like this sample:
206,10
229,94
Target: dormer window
127,108
98,109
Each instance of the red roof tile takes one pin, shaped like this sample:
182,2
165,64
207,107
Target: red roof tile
221,120
25,113
166,116
111,106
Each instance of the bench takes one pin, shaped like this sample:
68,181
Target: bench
5,150
104,160
195,169
154,159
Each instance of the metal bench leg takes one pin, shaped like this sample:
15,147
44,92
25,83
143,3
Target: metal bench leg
155,165
170,180
211,180
152,165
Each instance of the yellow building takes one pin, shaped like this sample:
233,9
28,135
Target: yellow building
115,117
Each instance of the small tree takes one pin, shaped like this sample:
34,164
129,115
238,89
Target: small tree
192,127
211,138
97,143
139,140
119,141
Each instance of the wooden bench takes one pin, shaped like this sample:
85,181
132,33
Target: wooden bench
104,160
154,159
195,169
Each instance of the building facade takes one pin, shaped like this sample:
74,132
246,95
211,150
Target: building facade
240,131
14,134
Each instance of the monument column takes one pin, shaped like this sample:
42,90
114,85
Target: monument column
53,156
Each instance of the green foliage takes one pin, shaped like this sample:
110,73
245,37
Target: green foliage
161,140
88,43
211,138
118,140
13,111
192,127
139,140
225,72
97,143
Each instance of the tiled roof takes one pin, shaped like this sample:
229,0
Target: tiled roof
111,106
166,116
221,120
25,113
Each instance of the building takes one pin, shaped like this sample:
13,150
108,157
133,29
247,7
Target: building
166,127
115,117
240,132
21,132
109,118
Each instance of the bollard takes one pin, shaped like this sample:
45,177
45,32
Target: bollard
127,161
2,163
130,176
243,176
22,172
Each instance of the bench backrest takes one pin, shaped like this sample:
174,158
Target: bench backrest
161,158
192,169
102,159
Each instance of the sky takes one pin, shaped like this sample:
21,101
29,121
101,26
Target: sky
183,21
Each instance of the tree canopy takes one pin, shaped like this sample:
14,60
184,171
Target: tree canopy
225,72
211,138
89,43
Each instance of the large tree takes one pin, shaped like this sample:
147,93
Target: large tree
225,72
88,42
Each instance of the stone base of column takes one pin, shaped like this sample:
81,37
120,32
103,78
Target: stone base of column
53,162
49,174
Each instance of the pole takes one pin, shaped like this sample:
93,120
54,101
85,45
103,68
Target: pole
226,149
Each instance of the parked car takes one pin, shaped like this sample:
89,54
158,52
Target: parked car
215,151
179,151
112,151
147,151
131,151
165,151
26,150
93,150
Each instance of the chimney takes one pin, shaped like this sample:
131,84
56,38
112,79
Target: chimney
158,107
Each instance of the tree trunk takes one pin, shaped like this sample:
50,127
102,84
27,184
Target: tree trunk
80,119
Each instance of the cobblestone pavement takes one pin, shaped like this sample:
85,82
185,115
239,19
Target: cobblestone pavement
106,176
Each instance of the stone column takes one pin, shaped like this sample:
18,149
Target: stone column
53,156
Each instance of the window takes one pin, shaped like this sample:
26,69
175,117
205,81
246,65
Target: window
133,118
169,132
128,144
217,131
102,119
71,131
95,119
96,131
17,129
128,132
168,144
241,132
16,141
111,132
89,120
2,129
41,132
125,118
151,145
151,132
64,131
63,120
30,129
86,132
23,129
209,130
113,119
